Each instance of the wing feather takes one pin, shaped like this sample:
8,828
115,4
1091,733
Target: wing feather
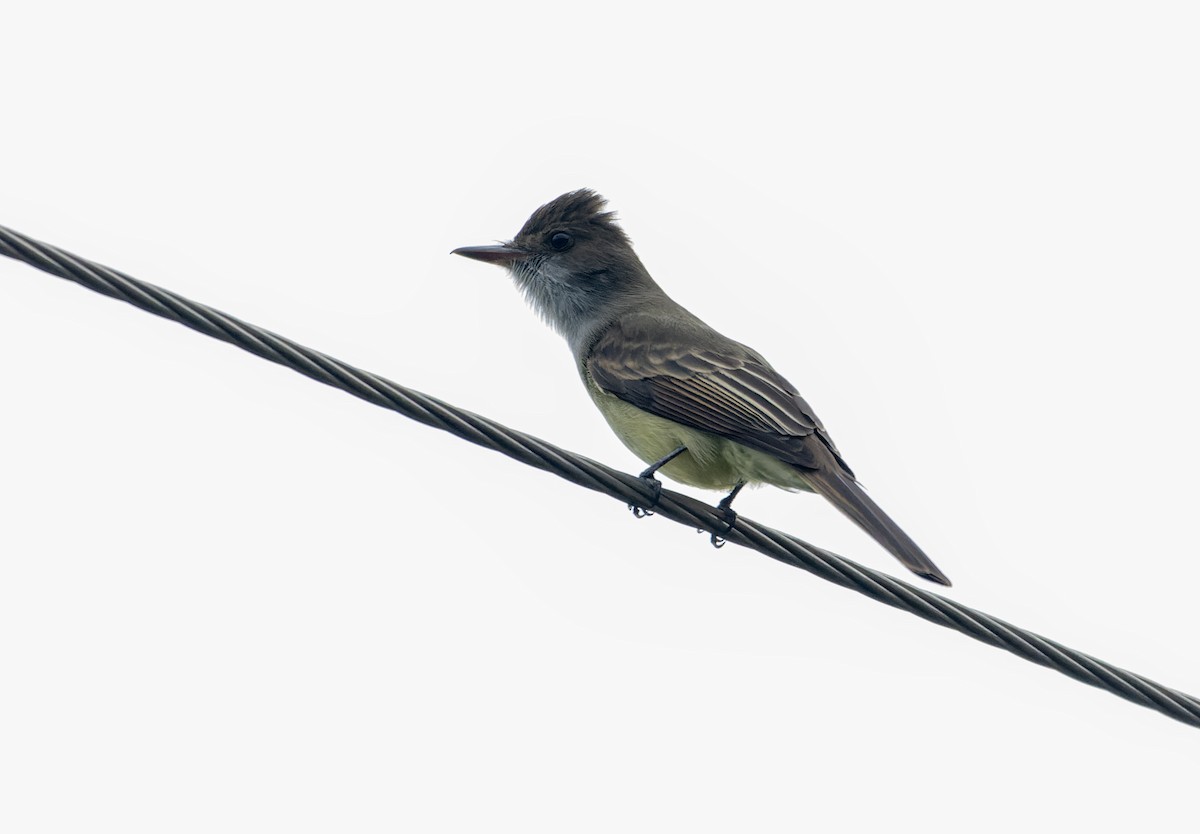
682,370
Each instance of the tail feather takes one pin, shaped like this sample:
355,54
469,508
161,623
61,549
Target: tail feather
842,491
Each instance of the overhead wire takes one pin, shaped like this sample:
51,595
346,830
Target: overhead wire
596,476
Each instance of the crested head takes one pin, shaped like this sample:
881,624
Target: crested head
582,211
573,262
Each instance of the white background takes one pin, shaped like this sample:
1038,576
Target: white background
233,599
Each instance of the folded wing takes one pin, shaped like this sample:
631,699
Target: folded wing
688,373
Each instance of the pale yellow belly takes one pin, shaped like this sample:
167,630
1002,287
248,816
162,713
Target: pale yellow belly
710,462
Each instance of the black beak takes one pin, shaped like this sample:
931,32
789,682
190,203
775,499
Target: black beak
501,254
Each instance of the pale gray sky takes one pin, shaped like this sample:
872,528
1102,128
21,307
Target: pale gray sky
232,599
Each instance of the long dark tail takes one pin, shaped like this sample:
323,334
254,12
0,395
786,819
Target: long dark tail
841,491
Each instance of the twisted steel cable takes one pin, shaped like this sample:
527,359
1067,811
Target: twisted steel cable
598,477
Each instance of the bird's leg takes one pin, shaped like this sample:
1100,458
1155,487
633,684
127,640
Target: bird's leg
654,483
730,515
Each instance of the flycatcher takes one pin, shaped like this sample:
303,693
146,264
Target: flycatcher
706,410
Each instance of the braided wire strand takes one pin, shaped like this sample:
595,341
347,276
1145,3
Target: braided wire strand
596,476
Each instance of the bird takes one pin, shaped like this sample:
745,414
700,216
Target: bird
703,409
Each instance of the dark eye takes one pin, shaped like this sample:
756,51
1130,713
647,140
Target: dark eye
561,241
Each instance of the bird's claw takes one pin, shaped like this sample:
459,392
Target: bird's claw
730,520
655,486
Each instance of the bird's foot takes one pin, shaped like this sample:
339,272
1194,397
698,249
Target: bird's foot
654,483
655,486
729,514
730,520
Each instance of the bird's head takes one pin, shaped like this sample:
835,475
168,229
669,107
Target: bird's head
570,259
